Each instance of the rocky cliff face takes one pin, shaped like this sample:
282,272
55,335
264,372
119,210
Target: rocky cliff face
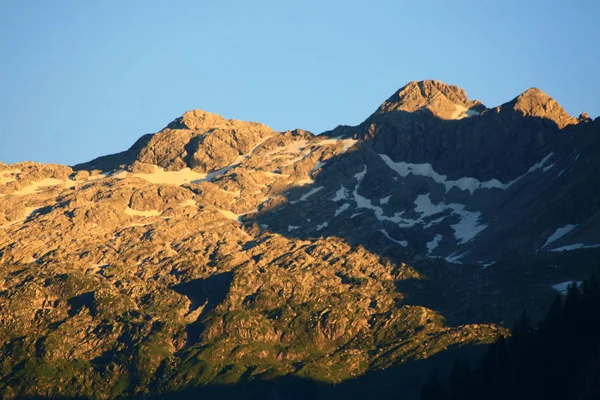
219,251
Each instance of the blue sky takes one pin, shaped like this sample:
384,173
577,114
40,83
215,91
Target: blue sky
80,79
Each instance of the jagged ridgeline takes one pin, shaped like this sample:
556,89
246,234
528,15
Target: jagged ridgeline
218,257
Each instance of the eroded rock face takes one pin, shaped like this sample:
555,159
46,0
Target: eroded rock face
533,102
218,250
202,141
442,100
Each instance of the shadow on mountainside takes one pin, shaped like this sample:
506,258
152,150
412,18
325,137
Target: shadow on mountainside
204,295
401,382
461,293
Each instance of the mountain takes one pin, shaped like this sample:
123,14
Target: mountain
221,256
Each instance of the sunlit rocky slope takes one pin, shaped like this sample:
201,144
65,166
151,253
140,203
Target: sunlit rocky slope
219,251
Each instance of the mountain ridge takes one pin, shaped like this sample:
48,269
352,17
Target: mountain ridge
412,97
219,251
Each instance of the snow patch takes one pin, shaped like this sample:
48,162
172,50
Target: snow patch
292,227
323,225
433,243
160,176
560,232
137,213
402,243
341,209
548,168
363,202
577,246
461,112
188,203
36,187
467,183
341,194
564,286
229,215
318,165
275,174
306,181
426,208
468,227
307,195
346,143
384,200
454,257
464,231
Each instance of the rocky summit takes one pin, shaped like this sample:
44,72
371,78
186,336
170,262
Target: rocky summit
220,257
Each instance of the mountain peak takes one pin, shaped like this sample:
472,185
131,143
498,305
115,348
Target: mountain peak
535,103
443,100
197,120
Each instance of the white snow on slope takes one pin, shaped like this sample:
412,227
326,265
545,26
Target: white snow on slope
467,183
323,225
463,112
434,243
468,227
548,168
188,203
453,258
435,221
318,165
44,183
560,232
294,148
577,246
230,215
212,175
426,208
137,213
402,243
346,143
307,195
160,176
363,202
464,230
563,286
341,194
302,182
384,200
341,209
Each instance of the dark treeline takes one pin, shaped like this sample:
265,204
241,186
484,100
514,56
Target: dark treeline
558,359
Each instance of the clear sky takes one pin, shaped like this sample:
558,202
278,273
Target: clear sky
80,79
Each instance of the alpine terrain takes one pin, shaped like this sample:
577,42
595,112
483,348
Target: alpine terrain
218,257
